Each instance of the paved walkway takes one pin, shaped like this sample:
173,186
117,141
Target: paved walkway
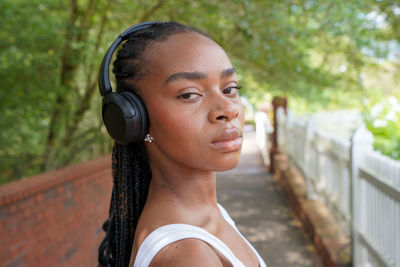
261,212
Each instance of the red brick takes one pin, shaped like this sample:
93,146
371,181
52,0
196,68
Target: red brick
51,219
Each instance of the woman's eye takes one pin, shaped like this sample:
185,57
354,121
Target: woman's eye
189,96
232,90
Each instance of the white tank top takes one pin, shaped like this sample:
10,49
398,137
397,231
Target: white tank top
167,234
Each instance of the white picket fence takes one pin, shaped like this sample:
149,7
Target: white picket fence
360,186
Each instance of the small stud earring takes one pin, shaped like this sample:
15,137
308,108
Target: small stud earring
148,138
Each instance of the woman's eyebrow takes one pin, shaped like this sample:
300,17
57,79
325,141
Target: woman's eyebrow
228,72
196,75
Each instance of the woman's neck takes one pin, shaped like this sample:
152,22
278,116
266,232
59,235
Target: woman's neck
185,186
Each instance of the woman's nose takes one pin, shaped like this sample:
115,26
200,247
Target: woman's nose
224,109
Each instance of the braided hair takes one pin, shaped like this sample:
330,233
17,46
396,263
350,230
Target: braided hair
131,170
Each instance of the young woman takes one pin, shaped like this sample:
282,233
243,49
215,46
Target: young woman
164,209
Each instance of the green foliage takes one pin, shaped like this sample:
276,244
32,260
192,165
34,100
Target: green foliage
41,67
27,58
311,51
383,120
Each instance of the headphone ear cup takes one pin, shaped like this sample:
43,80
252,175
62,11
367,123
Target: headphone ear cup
125,117
141,126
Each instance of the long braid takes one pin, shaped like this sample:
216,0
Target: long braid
131,170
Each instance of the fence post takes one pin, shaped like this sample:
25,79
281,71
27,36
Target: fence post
310,130
276,102
263,131
361,143
281,122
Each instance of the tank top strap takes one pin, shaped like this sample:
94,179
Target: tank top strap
232,223
167,234
226,216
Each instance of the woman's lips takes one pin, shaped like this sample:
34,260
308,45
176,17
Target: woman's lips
228,141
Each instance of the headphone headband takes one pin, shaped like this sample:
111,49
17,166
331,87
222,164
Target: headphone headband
104,73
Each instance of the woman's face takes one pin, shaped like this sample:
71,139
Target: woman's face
191,95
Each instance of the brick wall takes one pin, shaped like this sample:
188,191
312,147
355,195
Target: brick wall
55,218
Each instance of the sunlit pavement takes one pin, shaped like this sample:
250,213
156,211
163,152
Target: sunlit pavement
261,212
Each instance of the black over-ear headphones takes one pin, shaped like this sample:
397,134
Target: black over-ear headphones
124,114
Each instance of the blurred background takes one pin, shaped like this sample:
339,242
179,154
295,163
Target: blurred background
320,54
331,65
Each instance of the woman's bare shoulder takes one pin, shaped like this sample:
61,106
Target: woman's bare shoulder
187,252
164,213
156,216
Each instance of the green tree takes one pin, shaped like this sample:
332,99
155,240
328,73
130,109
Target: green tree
50,52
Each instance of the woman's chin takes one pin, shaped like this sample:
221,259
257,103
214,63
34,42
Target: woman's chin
227,165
